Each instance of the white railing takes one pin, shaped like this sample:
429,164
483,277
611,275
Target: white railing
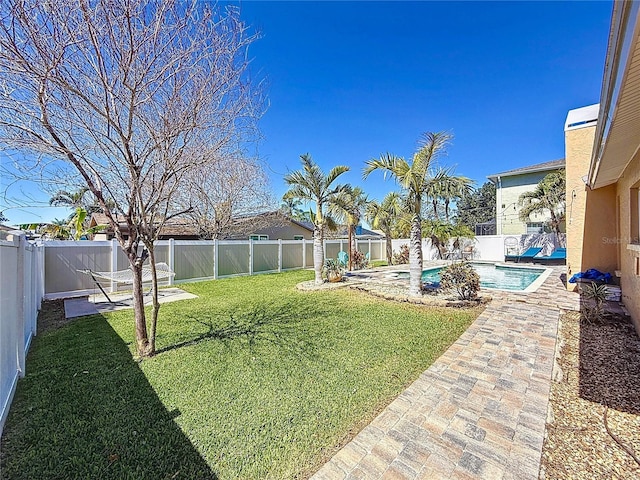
21,293
191,260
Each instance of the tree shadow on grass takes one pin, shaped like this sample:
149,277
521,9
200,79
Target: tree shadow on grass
610,364
86,410
283,325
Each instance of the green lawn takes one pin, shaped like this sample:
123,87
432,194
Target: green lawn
252,380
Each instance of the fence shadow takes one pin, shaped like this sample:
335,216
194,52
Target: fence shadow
86,410
282,324
610,364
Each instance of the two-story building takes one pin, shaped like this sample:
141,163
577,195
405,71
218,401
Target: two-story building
509,186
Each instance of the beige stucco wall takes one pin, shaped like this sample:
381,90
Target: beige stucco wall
508,215
284,232
629,253
591,214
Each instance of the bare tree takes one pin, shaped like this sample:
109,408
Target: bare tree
129,97
222,191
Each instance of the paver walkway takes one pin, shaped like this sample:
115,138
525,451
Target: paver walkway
479,411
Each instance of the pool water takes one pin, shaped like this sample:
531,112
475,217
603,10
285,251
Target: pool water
494,276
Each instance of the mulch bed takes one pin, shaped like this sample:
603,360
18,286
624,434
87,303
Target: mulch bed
398,293
599,375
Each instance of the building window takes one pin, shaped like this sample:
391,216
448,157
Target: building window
298,237
535,227
258,237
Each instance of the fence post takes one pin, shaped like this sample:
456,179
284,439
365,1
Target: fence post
279,255
172,246
20,292
215,259
250,257
304,253
114,263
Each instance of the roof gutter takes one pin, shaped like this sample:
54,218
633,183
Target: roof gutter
620,38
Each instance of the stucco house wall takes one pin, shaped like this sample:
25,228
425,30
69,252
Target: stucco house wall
627,241
283,232
591,215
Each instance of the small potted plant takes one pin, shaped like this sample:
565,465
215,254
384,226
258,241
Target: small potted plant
332,270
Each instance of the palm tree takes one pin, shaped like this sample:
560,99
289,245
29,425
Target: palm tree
383,216
348,207
63,198
311,184
291,208
548,196
451,188
414,179
445,187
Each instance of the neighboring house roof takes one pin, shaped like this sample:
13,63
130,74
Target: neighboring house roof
540,167
361,233
173,228
271,217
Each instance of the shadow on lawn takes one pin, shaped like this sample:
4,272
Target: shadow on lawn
284,325
610,364
86,410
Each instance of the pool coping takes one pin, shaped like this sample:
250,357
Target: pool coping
532,287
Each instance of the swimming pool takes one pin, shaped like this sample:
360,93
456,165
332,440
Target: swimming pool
497,277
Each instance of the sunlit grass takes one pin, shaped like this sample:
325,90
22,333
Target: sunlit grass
253,379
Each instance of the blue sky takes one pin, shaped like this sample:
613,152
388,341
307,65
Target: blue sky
352,80
348,81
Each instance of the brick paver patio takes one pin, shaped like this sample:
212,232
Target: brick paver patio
479,411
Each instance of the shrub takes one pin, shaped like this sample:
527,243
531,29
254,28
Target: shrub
462,278
359,260
592,301
402,256
331,269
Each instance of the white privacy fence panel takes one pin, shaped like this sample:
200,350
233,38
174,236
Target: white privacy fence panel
292,254
191,260
21,292
490,247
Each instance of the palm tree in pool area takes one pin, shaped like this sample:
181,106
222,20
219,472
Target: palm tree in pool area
348,207
383,215
549,196
414,179
312,185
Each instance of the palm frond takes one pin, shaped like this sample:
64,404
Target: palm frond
389,164
334,173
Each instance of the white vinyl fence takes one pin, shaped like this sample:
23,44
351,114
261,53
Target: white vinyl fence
21,293
191,260
490,247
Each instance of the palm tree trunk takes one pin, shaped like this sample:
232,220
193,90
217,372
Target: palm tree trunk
352,245
435,209
389,246
318,252
446,209
415,256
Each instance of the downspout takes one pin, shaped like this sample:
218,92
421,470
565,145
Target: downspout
499,206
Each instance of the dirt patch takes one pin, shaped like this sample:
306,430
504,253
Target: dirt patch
51,315
600,374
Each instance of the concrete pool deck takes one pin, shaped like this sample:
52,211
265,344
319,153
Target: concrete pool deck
479,411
